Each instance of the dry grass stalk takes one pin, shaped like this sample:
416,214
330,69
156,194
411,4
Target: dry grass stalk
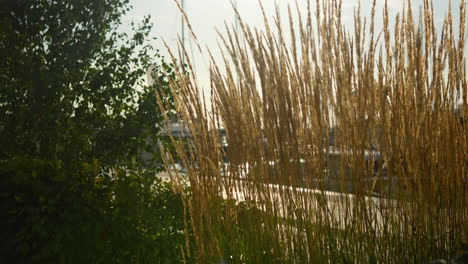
401,92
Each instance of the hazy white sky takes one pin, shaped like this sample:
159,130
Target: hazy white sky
207,15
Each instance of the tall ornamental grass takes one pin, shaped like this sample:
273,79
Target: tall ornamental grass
390,188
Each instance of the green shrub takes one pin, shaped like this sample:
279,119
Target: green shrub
53,215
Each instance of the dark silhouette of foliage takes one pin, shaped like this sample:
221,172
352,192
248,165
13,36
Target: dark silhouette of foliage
54,215
75,116
73,86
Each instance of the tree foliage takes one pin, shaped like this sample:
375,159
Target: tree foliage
74,111
73,85
54,215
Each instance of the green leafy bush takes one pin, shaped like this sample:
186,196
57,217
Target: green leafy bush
55,215
73,106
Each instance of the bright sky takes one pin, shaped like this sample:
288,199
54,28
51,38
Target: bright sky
207,15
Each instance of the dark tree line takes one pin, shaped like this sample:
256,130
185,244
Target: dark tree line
74,105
